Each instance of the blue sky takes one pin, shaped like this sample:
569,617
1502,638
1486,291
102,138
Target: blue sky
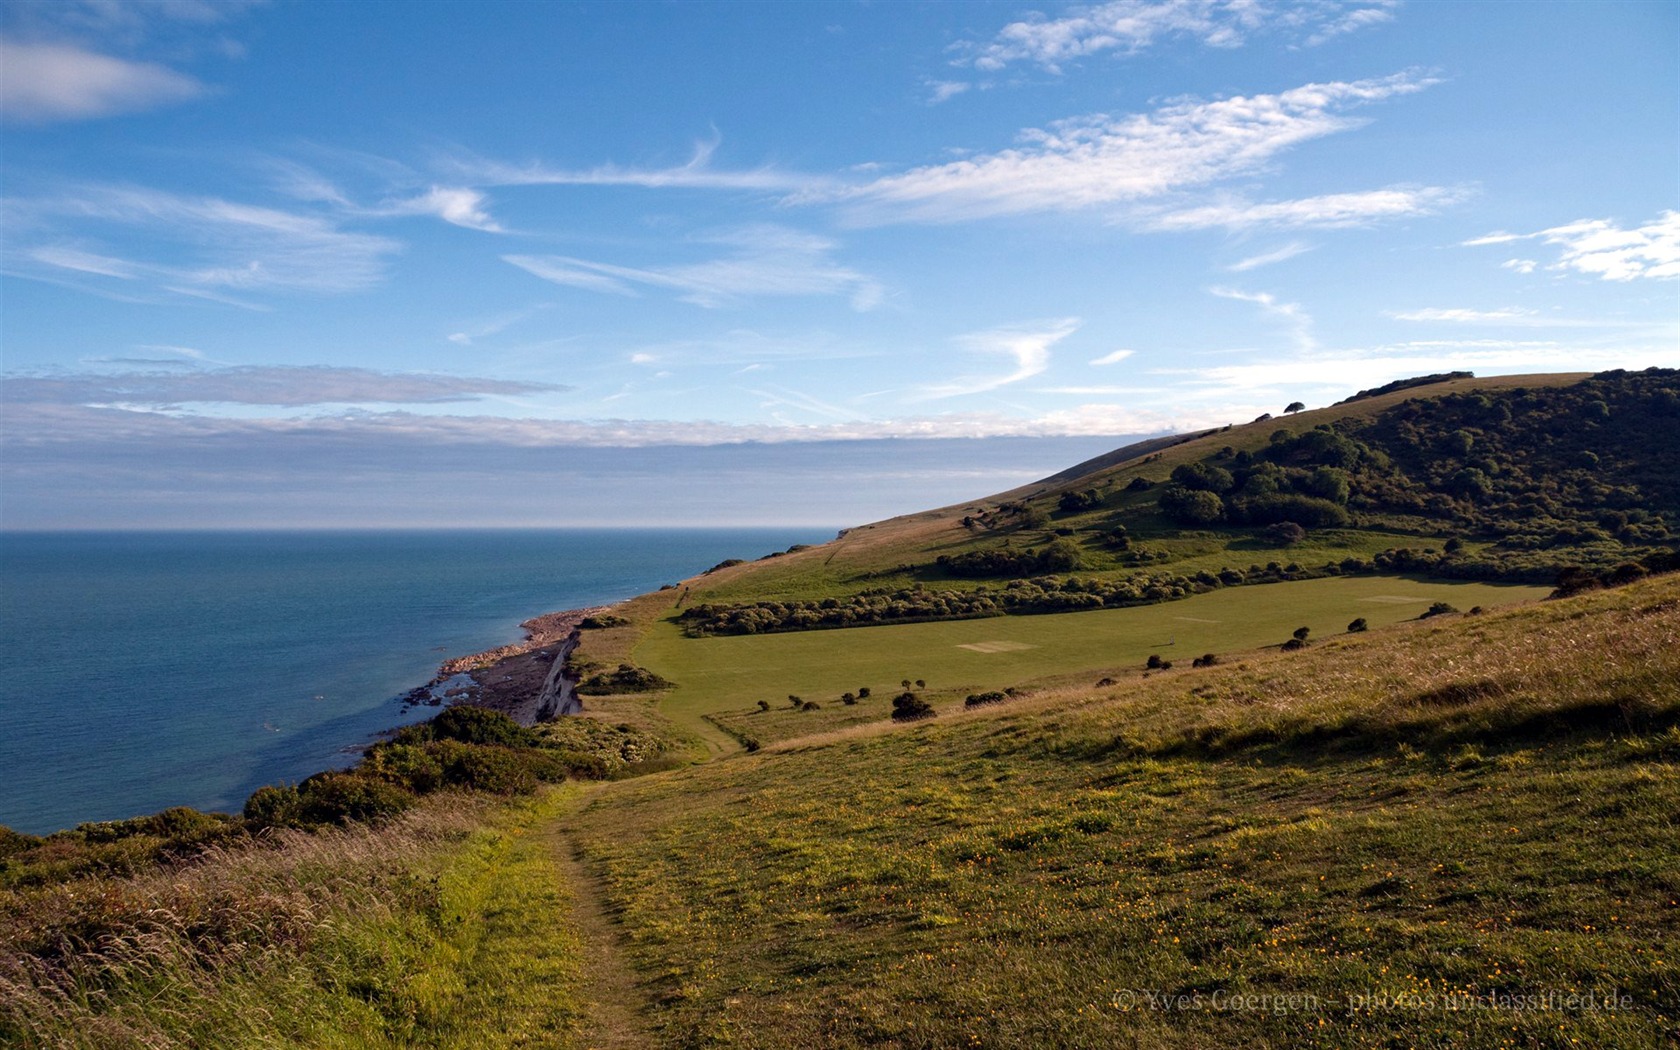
341,264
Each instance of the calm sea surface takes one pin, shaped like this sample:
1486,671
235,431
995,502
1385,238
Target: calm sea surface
147,670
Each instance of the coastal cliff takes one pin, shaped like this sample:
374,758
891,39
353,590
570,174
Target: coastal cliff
527,680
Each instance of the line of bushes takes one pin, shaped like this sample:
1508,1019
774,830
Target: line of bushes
464,748
1055,594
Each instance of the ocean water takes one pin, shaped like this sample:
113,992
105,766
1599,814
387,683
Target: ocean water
148,670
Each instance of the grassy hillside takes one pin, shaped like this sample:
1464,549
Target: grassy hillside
1528,474
1475,808
726,677
1227,785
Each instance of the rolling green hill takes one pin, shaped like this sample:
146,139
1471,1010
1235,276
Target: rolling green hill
1102,776
1513,479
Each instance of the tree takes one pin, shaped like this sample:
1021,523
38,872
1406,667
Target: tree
1189,507
1060,555
1202,477
1285,533
1302,632
1294,406
1358,625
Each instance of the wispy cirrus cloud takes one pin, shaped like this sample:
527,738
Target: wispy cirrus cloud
1602,248
1128,27
1276,255
697,173
201,246
1458,314
1330,211
1339,372
1113,357
1107,160
1027,346
290,386
1509,316
766,260
1293,315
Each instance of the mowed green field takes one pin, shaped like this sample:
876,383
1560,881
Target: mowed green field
733,673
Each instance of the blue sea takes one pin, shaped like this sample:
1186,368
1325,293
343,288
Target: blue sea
148,670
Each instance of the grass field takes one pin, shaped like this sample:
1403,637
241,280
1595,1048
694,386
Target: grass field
1427,836
731,674
449,929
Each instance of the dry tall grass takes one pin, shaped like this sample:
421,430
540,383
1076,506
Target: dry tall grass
253,945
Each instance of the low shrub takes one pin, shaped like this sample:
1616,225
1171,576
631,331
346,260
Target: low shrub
908,707
627,679
339,798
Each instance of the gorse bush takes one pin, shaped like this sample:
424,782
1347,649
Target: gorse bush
908,707
628,678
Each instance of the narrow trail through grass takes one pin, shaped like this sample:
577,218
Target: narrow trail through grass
613,1005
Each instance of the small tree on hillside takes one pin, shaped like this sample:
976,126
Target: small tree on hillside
1294,406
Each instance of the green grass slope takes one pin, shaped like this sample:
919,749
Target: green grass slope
726,676
1431,835
1528,473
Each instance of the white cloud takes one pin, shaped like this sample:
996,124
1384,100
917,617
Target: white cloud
698,173
455,205
45,82
1497,237
495,325
1112,358
766,261
1355,20
1100,159
1104,390
943,90
1130,26
1300,323
203,246
1602,248
1509,316
68,258
574,273
277,385
1277,255
1335,210
1028,346
1341,372
1456,314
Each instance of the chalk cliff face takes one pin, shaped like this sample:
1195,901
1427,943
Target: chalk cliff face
527,681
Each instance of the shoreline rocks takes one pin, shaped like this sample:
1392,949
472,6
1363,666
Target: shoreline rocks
524,680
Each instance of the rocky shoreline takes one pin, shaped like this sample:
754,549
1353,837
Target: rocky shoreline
525,680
